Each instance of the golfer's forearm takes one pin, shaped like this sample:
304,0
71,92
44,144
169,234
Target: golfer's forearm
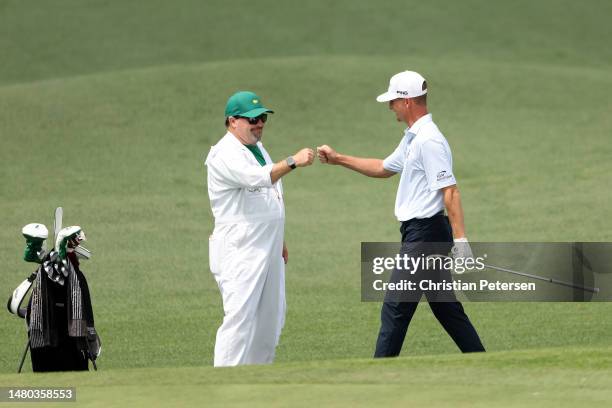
279,170
452,202
367,167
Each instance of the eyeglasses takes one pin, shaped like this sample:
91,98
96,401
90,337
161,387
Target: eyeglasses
253,121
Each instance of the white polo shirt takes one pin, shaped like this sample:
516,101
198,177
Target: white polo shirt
425,162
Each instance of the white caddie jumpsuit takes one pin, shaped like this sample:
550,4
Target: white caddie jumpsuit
245,252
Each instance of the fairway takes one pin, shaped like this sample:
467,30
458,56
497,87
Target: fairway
112,122
561,378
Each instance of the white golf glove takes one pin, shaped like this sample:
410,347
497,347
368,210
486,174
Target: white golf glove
461,251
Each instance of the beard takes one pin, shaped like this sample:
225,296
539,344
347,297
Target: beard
256,133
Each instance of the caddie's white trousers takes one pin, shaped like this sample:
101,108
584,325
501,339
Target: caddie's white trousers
246,261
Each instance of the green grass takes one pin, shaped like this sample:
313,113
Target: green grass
107,108
536,378
68,37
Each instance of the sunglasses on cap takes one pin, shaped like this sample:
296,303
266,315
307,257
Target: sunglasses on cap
253,121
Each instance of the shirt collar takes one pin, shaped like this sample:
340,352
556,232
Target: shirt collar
413,130
236,142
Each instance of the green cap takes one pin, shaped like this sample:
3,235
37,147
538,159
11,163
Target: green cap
245,103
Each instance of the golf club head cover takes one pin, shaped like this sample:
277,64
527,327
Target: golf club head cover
67,239
35,235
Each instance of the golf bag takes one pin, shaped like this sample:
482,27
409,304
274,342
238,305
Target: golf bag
59,315
60,322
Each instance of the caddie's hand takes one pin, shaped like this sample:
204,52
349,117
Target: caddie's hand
327,155
304,157
285,253
461,250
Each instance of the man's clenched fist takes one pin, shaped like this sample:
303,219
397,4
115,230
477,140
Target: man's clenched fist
327,155
304,157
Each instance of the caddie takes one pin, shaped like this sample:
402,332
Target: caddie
247,252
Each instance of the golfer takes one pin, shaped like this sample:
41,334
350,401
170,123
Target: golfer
246,250
427,186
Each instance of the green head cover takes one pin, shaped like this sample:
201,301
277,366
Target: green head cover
35,235
34,246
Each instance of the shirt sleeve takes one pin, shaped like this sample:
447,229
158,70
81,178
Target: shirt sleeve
240,174
279,183
438,164
395,161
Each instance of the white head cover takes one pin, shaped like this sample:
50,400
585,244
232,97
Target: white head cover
407,84
35,230
67,232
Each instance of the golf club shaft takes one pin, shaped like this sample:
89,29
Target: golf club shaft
542,278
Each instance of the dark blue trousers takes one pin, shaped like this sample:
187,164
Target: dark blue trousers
396,316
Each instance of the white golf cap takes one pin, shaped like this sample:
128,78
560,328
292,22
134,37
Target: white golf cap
407,84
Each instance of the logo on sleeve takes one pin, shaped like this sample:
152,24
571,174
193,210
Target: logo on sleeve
444,175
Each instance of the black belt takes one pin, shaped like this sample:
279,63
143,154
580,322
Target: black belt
433,229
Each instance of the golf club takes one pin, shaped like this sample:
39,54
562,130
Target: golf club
530,275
